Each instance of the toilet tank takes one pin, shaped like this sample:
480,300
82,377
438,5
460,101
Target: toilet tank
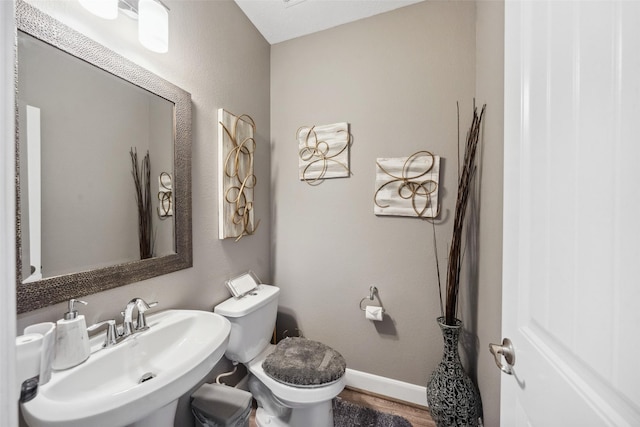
252,318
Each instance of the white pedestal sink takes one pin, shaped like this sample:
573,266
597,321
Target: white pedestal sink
138,381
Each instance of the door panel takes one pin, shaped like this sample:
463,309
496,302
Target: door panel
572,213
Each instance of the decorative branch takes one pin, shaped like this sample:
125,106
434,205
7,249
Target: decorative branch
142,180
464,187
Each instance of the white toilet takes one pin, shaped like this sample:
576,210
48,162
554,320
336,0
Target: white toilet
303,404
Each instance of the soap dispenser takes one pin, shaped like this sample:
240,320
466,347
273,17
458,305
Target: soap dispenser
72,339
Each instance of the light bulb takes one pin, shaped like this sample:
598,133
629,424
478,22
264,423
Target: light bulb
107,9
153,26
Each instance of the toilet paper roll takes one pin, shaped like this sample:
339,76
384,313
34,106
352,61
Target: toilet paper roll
374,313
48,332
28,349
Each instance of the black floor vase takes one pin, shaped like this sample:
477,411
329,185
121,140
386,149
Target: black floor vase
454,400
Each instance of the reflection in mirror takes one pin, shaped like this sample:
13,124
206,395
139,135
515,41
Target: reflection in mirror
77,184
80,110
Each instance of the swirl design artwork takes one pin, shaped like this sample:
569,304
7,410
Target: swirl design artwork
408,186
237,181
323,152
165,195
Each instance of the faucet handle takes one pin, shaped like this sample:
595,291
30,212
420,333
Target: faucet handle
127,327
111,337
141,325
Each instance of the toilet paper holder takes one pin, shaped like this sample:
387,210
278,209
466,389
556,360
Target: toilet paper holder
373,294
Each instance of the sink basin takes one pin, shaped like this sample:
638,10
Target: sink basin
123,384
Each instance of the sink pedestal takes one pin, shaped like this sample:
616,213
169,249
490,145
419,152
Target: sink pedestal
163,417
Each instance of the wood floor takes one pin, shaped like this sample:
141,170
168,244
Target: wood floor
416,415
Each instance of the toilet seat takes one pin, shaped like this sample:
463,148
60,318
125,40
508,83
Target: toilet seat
293,396
301,362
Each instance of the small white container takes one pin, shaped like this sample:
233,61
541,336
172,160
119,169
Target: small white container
72,339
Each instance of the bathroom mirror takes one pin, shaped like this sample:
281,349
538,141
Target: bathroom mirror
80,111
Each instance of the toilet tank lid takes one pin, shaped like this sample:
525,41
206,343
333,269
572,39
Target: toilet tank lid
237,307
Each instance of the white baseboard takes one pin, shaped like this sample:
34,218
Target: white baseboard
387,387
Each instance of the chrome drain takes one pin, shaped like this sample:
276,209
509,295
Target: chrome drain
146,377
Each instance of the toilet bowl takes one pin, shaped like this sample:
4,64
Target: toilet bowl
280,404
294,405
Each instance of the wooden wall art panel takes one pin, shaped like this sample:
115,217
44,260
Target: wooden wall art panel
407,186
323,152
236,182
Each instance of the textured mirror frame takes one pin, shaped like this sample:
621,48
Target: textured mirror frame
53,290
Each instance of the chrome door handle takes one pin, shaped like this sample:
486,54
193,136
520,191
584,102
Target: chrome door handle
506,350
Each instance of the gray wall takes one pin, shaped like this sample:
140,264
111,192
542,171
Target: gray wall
209,42
395,78
490,89
217,55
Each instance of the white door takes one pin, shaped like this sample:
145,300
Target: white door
571,298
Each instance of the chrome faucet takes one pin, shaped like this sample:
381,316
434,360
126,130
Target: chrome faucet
112,337
114,334
141,324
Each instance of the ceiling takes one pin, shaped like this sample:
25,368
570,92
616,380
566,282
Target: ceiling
281,20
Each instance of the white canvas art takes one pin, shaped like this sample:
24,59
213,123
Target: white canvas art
407,186
236,182
323,152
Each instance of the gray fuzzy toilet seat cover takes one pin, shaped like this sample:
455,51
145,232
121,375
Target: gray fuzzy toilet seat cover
304,363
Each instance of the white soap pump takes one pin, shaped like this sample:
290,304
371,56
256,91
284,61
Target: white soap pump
72,339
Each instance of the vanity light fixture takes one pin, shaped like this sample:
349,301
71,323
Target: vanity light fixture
107,9
152,16
153,25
